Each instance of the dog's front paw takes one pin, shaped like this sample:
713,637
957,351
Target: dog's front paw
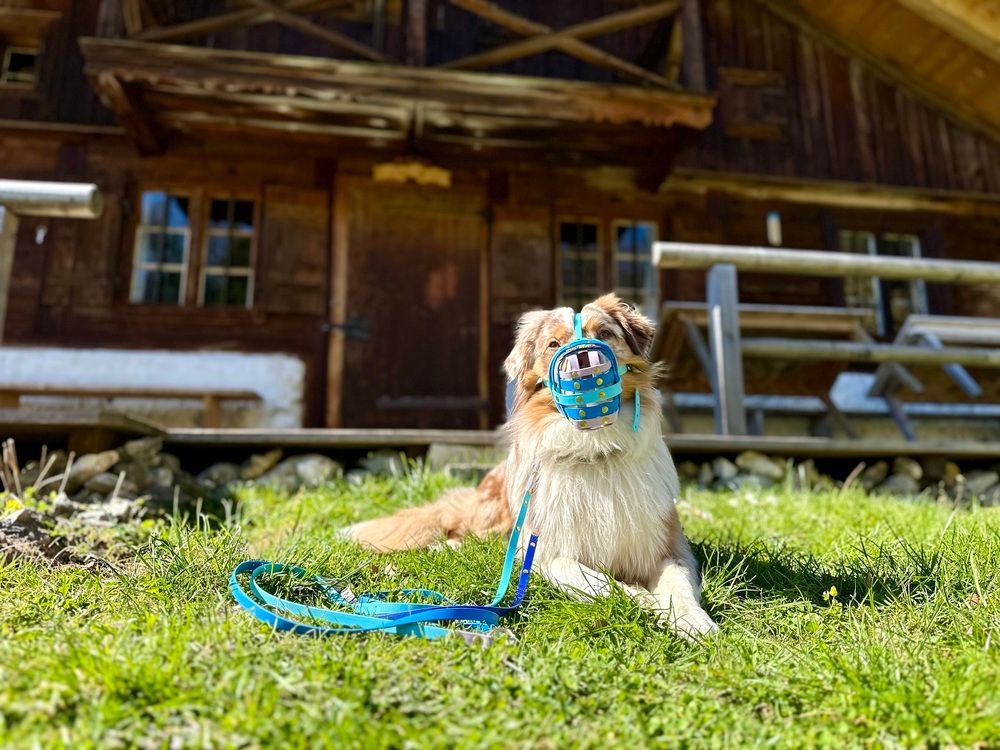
690,624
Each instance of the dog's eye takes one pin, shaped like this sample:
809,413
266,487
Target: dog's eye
553,344
604,333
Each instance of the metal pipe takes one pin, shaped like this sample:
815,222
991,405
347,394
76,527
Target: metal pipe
74,200
859,352
823,263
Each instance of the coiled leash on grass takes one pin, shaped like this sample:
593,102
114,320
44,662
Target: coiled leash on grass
374,612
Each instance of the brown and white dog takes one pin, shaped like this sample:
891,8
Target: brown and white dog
604,506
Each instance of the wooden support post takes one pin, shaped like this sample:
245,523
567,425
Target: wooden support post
899,416
213,411
695,78
416,32
838,417
955,371
8,242
722,292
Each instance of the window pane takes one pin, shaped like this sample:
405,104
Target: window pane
578,236
243,215
236,293
240,255
154,207
633,274
218,217
160,247
177,211
158,287
226,290
624,240
218,250
643,237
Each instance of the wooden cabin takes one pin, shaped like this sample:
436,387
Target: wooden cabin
376,189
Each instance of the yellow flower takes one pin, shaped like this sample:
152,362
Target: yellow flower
13,504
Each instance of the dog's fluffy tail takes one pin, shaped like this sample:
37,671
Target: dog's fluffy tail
480,511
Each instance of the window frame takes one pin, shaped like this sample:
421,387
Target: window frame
652,290
8,52
599,254
250,271
199,213
143,229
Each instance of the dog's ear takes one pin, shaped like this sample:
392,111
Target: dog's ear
522,357
639,330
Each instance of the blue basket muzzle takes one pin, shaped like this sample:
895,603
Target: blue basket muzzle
585,380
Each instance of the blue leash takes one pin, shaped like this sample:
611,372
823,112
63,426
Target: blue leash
373,612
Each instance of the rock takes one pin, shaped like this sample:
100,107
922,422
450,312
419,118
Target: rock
909,467
440,455
384,463
143,450
58,463
167,461
220,474
161,477
978,481
89,466
705,474
991,496
357,476
104,483
951,473
687,470
899,484
30,473
260,464
135,472
723,468
807,476
23,521
873,475
23,533
760,465
108,514
63,507
743,481
937,469
471,473
310,470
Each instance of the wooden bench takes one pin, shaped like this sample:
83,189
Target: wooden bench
726,348
681,345
211,399
947,381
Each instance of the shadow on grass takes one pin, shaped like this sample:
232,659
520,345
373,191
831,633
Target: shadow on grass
874,575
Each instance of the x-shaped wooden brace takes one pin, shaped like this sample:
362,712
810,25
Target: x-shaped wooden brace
543,38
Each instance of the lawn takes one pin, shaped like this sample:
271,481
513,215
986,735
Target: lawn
846,621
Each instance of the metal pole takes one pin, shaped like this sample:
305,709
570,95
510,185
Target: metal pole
8,240
849,351
722,296
73,200
823,263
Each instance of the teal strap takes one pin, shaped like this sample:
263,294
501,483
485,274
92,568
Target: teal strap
635,419
374,613
603,393
578,325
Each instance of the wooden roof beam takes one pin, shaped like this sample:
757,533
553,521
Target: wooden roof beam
972,22
287,18
544,42
131,112
223,21
570,45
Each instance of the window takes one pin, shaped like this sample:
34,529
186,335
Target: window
579,261
589,265
227,263
167,272
892,301
633,257
18,65
162,247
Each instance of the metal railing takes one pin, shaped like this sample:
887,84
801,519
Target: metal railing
30,198
722,296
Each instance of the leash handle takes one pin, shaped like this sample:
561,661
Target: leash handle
372,613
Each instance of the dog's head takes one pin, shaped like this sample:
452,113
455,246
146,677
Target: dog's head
540,334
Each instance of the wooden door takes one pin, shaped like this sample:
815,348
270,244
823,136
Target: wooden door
413,335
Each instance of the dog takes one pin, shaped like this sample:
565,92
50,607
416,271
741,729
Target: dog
604,507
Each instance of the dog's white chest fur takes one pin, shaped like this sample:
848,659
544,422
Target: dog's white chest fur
610,513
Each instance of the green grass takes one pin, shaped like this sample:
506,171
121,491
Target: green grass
153,653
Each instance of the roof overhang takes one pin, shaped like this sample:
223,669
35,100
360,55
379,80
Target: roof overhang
159,91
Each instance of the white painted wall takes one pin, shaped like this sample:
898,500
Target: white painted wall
278,378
